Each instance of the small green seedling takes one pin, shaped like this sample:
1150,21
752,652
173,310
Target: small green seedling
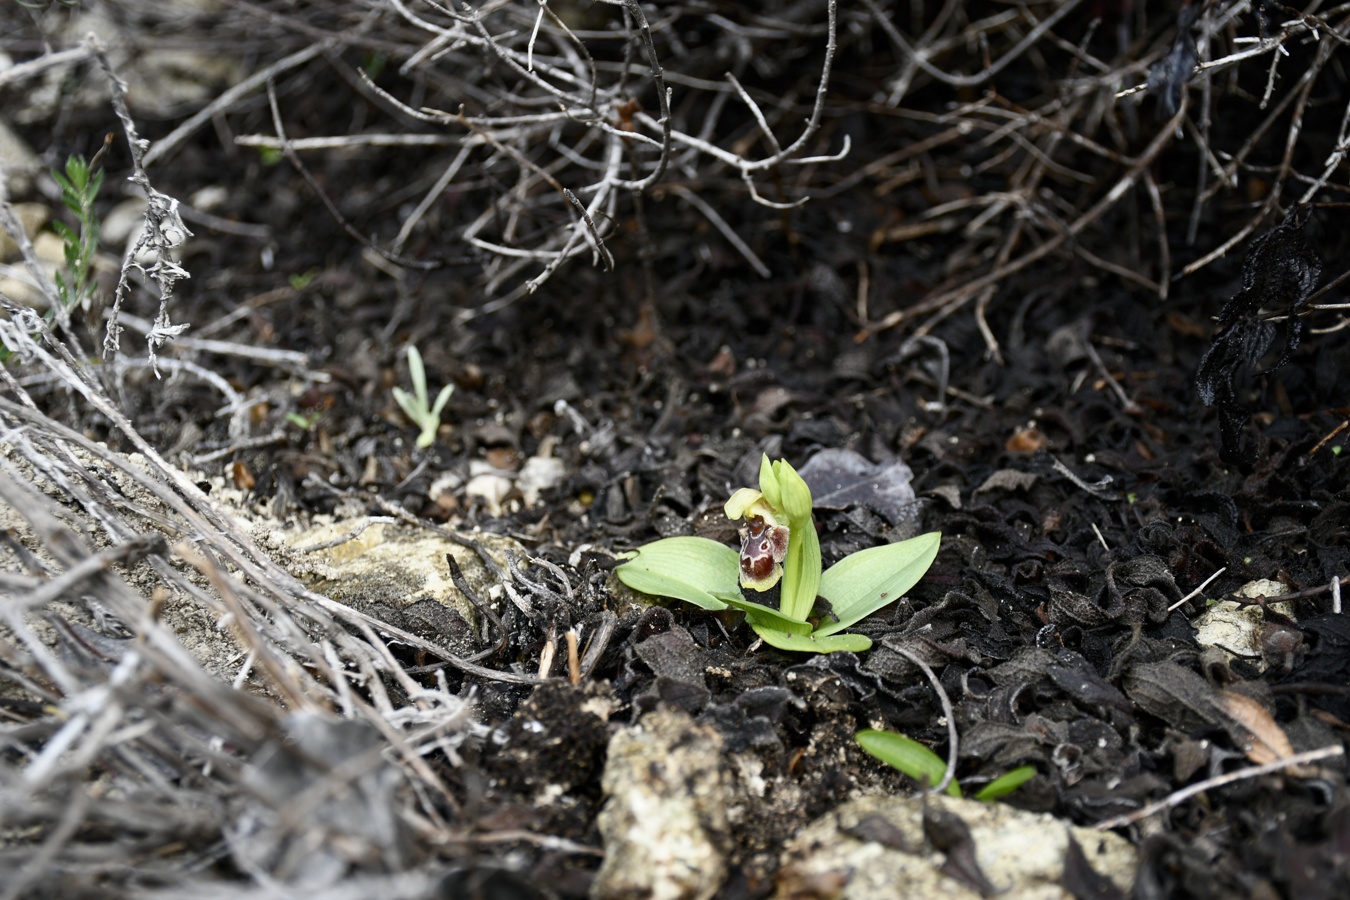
80,185
926,767
425,415
304,421
779,547
79,188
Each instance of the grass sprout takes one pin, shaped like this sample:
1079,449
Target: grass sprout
424,414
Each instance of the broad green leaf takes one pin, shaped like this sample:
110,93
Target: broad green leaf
907,755
866,581
1006,784
761,616
801,570
692,569
768,482
810,643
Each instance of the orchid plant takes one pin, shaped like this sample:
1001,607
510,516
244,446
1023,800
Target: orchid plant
780,548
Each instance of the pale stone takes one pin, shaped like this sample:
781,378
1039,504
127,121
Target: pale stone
1020,853
665,817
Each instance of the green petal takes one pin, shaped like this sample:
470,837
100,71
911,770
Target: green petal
866,581
740,501
692,569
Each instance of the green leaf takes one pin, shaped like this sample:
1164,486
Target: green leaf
441,399
907,755
77,170
801,569
1006,784
692,569
408,405
812,643
866,581
761,616
418,374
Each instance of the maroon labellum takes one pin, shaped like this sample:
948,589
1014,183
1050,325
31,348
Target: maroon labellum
763,548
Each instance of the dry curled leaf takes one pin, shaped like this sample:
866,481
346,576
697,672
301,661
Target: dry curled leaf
1267,740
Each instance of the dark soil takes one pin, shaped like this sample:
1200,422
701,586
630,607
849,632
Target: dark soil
1081,486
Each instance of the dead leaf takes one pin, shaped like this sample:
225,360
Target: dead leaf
840,479
242,476
1026,441
1268,741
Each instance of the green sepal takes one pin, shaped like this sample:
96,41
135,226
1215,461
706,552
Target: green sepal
768,482
795,495
692,569
812,643
864,582
907,755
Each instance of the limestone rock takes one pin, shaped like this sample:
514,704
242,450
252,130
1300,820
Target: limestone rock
396,574
664,821
1021,853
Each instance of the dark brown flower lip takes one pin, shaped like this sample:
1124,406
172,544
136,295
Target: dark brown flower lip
763,549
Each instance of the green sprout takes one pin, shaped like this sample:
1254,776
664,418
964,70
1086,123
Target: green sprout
375,64
79,187
426,416
306,421
780,548
926,767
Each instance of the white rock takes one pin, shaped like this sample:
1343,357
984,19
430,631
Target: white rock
1020,853
539,474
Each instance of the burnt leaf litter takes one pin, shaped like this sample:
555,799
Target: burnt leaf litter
1060,614
1280,272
